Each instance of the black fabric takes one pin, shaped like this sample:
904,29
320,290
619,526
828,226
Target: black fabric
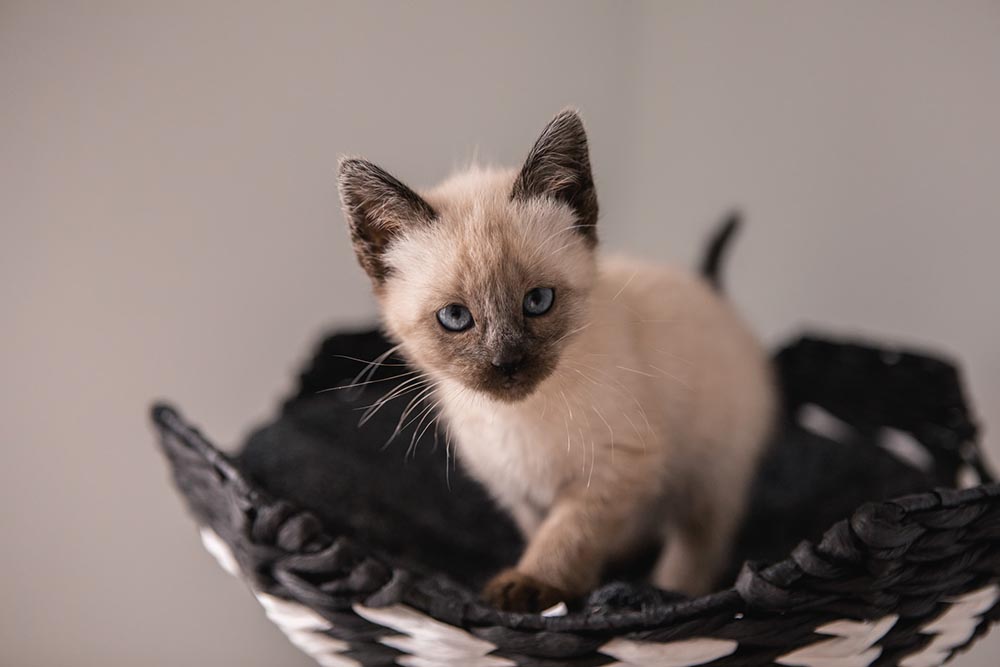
376,534
414,513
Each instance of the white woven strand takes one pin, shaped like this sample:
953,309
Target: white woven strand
852,644
485,661
220,550
304,628
429,641
683,653
953,628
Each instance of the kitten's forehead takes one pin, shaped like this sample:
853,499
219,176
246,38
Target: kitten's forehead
484,241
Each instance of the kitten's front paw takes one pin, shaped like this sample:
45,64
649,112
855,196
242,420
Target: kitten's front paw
515,591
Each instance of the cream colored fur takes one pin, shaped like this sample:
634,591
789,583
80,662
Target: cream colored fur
653,420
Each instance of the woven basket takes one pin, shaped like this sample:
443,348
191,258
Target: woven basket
907,581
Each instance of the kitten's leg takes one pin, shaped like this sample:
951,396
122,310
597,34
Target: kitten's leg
565,557
697,549
526,517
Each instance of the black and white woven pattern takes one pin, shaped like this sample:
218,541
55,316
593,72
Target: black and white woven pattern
900,582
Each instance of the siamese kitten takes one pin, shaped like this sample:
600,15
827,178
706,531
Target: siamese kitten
605,403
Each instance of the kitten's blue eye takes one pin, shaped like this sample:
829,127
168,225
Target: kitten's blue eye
538,301
455,317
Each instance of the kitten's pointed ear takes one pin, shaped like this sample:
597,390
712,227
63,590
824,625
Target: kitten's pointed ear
558,166
378,207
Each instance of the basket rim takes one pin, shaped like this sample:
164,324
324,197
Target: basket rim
752,590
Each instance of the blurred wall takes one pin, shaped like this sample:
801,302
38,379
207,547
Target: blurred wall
169,227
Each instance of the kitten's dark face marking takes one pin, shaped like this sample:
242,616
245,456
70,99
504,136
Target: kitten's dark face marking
516,249
507,352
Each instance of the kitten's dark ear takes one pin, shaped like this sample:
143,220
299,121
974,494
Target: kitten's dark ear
378,207
558,166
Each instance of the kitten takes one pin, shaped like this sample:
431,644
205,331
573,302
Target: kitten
604,403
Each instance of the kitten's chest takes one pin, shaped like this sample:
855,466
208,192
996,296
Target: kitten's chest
512,454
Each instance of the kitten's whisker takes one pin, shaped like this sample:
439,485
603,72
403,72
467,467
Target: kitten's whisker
566,423
421,416
372,365
381,359
424,389
402,388
414,402
560,248
416,438
621,388
447,455
568,409
674,356
373,409
636,313
555,234
593,443
593,446
671,376
625,392
362,384
583,439
628,392
632,370
627,283
593,460
579,429
417,379
405,387
366,361
383,356
636,429
449,446
610,430
574,331
411,407
559,376
417,433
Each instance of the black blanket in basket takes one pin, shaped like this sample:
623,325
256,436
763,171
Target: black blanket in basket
405,500
342,536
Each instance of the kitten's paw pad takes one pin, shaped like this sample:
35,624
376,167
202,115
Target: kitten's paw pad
514,591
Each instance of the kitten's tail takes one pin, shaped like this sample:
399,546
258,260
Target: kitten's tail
711,263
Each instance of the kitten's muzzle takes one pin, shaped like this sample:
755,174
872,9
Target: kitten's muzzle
511,377
508,362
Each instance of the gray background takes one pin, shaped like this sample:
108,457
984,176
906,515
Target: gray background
170,228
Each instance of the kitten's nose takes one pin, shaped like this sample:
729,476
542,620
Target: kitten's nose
508,361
